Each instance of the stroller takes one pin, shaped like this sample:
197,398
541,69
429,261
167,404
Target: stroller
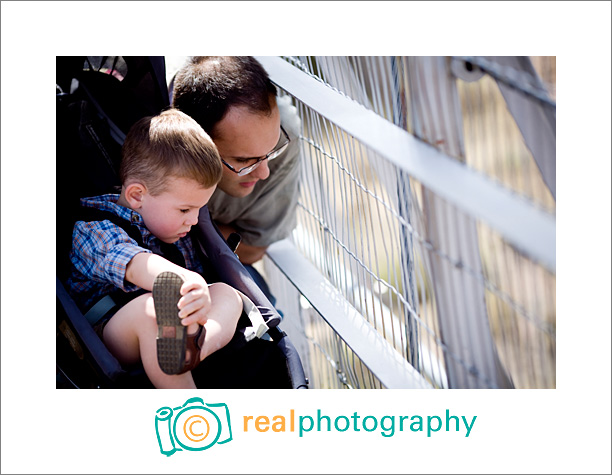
98,99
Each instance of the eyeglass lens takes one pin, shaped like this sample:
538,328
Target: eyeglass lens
271,156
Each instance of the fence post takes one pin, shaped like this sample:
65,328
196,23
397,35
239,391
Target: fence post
470,356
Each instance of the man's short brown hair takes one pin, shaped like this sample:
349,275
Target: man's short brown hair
208,86
170,144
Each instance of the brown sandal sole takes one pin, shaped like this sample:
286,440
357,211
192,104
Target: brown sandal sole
177,352
171,334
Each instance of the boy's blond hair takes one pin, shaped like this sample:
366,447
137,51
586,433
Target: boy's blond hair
170,144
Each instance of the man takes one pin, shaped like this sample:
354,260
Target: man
256,133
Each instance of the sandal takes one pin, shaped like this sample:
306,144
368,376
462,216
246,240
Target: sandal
177,352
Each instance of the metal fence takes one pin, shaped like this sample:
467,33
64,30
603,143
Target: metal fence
425,249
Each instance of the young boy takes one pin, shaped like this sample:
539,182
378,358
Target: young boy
137,241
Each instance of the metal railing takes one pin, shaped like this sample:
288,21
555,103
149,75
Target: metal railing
425,249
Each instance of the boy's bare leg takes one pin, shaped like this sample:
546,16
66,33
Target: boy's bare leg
131,336
223,317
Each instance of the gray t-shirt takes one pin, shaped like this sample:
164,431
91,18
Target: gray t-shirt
267,214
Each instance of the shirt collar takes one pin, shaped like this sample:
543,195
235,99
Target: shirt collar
109,203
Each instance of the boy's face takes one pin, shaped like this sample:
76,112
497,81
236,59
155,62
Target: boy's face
169,216
241,138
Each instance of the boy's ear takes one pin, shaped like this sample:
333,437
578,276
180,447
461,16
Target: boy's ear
134,193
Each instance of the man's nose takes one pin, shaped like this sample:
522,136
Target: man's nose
262,171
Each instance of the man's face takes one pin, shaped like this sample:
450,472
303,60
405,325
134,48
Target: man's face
241,138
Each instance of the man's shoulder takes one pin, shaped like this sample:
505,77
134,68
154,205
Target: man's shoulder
286,164
289,116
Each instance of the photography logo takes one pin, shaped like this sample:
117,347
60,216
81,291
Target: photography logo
193,426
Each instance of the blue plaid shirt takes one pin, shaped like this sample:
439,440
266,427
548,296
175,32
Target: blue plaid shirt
101,251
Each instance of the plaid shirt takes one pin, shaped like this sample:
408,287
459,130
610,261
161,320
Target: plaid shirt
101,251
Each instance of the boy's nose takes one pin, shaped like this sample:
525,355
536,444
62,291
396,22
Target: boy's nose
192,219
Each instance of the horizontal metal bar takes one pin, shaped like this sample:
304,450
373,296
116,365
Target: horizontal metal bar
529,229
393,371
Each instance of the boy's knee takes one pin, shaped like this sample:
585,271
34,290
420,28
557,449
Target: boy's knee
222,289
229,295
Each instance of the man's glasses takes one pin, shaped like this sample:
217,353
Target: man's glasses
270,156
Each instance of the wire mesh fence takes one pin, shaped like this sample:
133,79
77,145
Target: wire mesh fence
446,290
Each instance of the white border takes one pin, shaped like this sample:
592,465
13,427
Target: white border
564,430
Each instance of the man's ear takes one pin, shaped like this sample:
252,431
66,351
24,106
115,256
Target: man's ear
134,194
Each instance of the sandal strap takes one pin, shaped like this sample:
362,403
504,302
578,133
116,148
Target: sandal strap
193,345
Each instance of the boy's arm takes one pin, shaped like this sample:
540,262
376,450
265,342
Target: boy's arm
144,267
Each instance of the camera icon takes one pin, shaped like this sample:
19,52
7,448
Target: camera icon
193,426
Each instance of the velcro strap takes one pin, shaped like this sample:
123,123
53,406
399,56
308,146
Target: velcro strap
100,309
258,325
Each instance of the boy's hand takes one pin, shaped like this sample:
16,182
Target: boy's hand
194,304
